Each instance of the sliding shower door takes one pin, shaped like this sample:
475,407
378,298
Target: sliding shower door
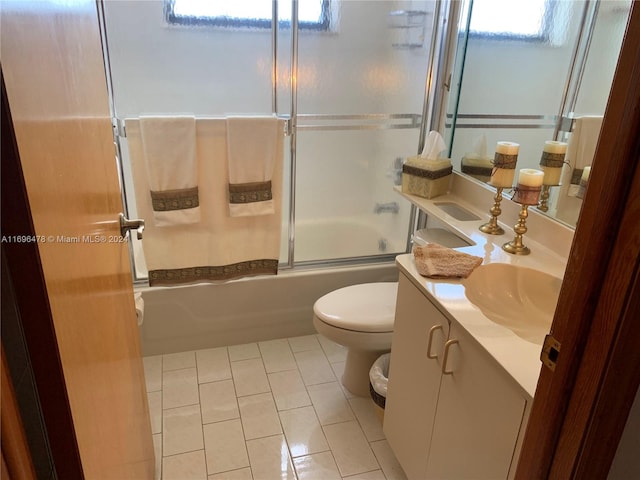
360,91
174,57
350,80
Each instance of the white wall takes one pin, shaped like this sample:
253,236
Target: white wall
161,69
603,56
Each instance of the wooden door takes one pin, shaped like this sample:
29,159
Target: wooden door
479,416
52,64
580,409
414,379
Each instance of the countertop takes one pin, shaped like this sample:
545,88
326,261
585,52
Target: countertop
518,357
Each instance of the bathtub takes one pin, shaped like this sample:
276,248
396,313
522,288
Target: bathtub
201,316
346,238
206,315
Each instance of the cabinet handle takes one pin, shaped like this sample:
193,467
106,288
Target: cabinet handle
433,329
446,357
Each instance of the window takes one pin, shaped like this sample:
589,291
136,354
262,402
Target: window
515,19
312,14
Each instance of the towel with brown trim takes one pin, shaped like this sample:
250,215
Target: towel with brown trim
252,155
169,147
435,261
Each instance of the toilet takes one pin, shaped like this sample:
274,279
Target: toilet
359,317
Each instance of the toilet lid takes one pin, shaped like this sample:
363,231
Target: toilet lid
368,307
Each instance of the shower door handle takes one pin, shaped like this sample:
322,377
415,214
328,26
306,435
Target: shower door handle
136,224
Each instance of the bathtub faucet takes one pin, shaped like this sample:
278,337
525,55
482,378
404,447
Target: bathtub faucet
392,207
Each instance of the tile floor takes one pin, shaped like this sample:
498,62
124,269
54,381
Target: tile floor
263,411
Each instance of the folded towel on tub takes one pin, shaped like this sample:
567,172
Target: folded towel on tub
251,153
169,145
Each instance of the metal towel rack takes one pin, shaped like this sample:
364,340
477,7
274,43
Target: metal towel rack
322,122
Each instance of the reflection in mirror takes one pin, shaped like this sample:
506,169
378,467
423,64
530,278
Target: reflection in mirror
530,73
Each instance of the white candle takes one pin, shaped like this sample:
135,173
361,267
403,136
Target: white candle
502,177
507,148
551,175
585,174
552,146
530,177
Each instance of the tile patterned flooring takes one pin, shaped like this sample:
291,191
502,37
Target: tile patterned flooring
263,411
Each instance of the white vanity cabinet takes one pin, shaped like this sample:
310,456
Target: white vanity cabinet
419,331
455,416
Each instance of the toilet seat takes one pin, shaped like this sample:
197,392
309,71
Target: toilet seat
367,307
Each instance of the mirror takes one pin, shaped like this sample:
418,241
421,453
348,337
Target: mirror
529,72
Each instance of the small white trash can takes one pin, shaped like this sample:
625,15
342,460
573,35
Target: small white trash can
378,379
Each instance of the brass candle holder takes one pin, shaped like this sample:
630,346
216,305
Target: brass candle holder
525,196
544,198
492,227
516,246
504,163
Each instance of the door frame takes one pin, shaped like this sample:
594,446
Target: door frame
579,410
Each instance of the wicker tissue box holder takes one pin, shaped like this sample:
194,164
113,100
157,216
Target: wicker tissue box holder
477,167
426,178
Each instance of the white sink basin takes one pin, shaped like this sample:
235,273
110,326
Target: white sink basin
456,211
518,298
440,236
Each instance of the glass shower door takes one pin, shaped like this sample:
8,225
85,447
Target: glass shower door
357,96
361,87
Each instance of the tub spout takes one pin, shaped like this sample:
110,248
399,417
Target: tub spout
392,207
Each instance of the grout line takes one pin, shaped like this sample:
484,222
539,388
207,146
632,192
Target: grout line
183,453
204,450
181,406
232,470
376,457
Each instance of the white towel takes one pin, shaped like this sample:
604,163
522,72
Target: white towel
220,247
583,141
251,152
582,145
169,145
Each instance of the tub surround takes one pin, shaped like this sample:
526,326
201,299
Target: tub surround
549,242
206,315
253,309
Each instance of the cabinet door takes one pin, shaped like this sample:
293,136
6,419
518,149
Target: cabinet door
480,412
414,379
